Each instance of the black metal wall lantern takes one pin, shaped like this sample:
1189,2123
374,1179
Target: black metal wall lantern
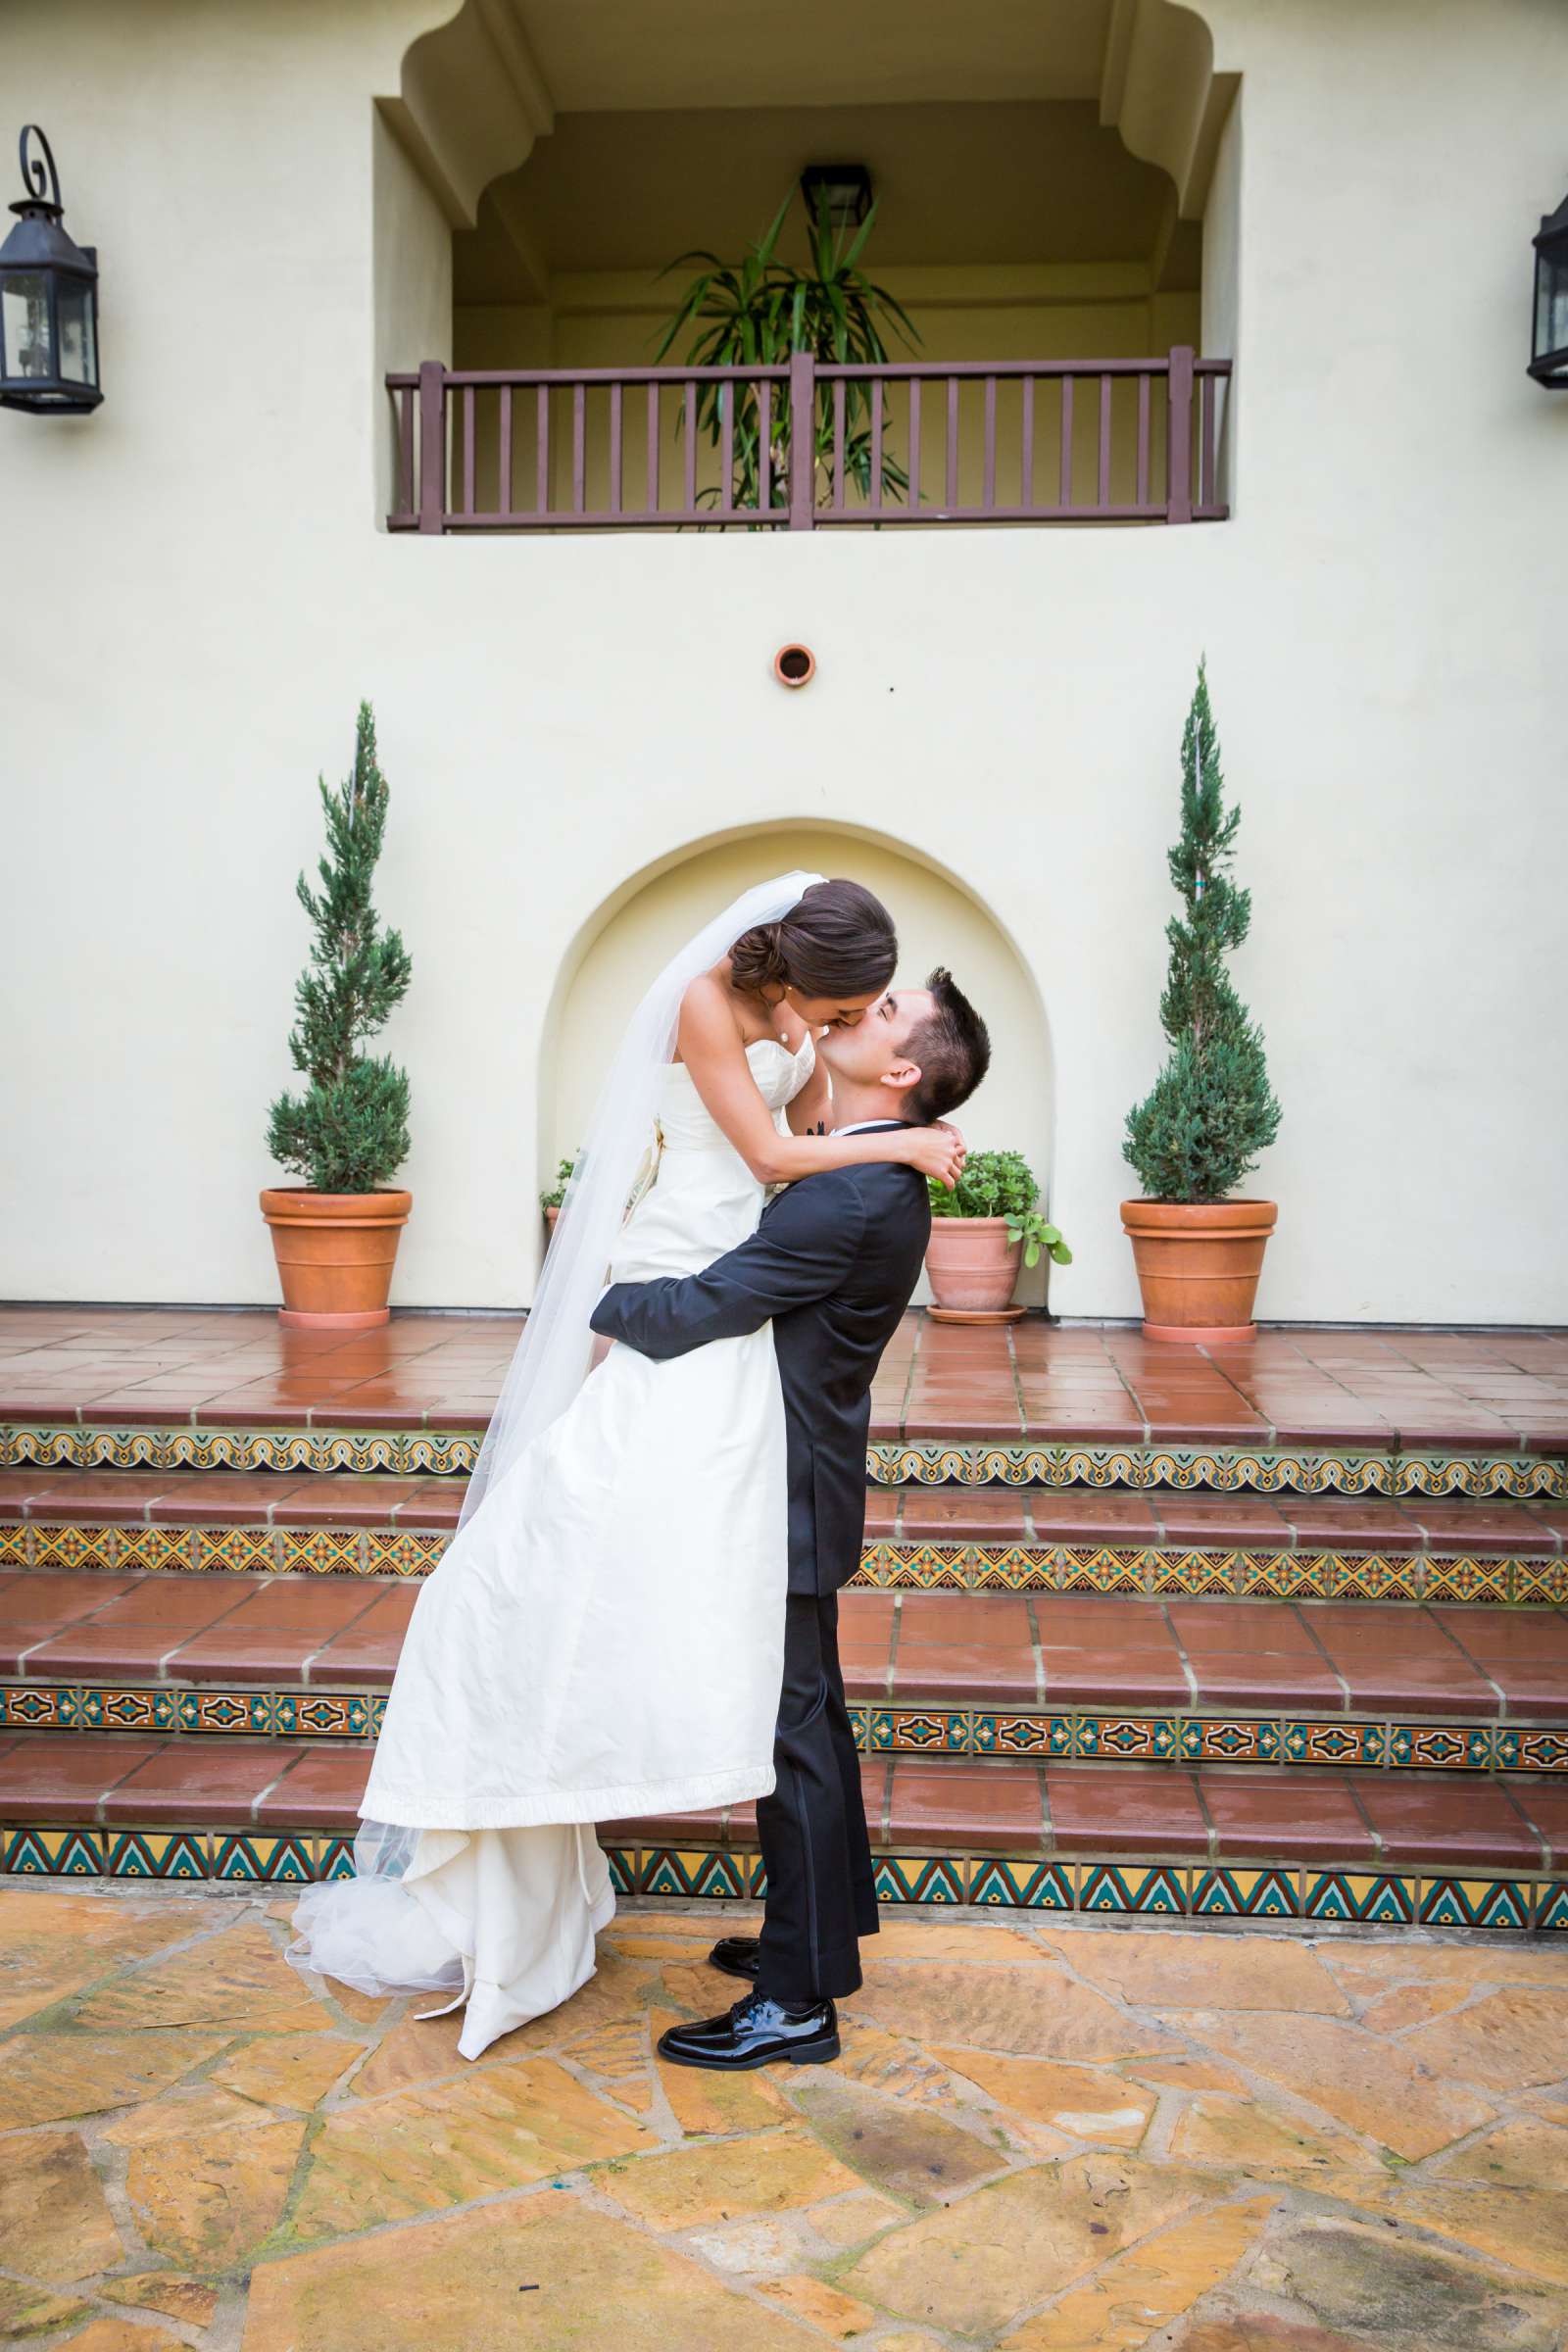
48,300
842,190
1549,350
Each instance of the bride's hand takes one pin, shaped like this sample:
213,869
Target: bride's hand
938,1151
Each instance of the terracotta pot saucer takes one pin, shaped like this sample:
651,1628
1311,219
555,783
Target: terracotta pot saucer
976,1314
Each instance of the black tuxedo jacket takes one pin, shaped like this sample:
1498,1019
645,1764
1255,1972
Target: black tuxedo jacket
831,1265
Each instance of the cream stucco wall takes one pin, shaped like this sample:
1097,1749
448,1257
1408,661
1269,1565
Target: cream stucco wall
206,597
413,260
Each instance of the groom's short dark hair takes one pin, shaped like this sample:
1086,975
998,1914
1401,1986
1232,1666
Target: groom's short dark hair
952,1046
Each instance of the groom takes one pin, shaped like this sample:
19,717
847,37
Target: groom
831,1265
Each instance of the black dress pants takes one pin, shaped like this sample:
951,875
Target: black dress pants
821,1888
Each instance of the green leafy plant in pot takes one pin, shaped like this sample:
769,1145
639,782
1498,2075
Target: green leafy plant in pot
981,1233
347,1131
1197,1133
550,1201
755,313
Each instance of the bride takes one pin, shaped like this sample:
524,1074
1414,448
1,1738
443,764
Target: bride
604,1636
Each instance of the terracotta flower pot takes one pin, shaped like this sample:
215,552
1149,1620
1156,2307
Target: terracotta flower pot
1198,1264
972,1263
334,1252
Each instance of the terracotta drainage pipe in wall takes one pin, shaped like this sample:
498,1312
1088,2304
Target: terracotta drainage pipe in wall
795,665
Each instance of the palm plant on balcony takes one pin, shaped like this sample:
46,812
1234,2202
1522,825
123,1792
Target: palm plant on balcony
347,1130
1199,1131
757,313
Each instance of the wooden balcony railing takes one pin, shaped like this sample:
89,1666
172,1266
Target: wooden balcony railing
807,446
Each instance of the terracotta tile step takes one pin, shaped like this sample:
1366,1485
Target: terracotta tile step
1357,1820
908,1516
219,1498
1473,1390
956,1420
1211,1522
65,1627
912,1649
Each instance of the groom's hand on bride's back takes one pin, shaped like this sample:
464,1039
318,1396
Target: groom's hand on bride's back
800,1251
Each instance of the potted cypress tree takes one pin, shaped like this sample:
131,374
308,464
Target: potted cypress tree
1210,1113
980,1232
336,1235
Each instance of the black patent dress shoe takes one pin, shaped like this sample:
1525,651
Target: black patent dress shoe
736,1956
757,2031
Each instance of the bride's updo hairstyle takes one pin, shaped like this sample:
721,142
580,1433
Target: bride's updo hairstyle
837,941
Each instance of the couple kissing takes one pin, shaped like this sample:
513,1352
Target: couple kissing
638,1613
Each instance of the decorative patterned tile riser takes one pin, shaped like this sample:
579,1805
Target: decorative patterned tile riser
1514,1475
1154,1739
64,1446
221,1713
1233,1572
216,1550
1153,1890
962,1732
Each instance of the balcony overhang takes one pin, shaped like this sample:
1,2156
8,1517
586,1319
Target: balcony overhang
478,91
1159,88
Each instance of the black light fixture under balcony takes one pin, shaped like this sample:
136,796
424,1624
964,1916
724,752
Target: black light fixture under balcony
48,300
843,190
1549,350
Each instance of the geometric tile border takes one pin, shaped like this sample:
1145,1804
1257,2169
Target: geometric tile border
1233,1572
221,1550
1310,1896
1084,1735
1341,1742
1225,1470
208,1713
1516,1474
56,1445
1252,1572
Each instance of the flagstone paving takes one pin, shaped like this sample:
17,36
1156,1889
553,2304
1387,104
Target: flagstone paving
1039,2138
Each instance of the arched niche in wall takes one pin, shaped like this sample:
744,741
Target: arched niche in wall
940,919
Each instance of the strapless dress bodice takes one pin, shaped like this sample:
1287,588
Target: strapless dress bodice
684,1120
703,1198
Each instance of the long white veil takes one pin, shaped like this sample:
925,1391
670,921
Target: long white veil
369,1931
556,1348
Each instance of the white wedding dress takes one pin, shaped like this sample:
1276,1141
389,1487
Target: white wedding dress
604,1636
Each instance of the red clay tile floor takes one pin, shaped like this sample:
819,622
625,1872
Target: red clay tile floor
1296,1384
